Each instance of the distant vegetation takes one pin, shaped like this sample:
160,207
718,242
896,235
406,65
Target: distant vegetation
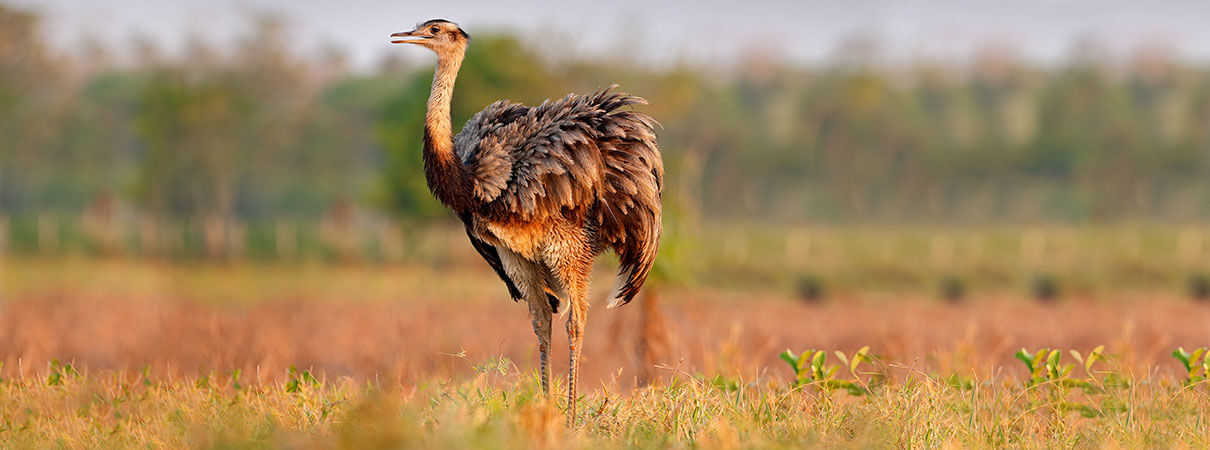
260,148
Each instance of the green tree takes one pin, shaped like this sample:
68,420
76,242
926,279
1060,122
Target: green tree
29,96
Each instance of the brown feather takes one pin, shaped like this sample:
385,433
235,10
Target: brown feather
577,153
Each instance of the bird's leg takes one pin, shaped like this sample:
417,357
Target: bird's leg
569,259
540,314
531,280
576,321
575,276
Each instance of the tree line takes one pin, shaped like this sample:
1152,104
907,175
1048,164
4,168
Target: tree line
257,131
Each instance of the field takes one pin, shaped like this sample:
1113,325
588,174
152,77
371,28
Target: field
912,231
105,353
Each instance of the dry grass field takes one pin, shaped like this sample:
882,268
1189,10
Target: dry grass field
402,323
201,355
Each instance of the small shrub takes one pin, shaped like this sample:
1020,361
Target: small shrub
1199,286
953,289
811,288
1045,288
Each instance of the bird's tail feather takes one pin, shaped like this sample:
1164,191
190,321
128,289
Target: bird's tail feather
630,204
636,264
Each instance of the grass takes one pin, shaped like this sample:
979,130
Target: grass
241,283
200,355
1089,259
768,257
499,407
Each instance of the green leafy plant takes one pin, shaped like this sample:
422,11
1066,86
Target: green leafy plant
298,379
811,368
60,370
203,381
1046,368
1194,363
146,375
1042,365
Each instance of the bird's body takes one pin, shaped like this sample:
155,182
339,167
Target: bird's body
579,169
543,190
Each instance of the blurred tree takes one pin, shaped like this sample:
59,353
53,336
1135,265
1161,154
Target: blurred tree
190,123
219,131
98,142
29,80
255,131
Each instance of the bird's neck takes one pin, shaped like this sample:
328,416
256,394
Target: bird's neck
447,177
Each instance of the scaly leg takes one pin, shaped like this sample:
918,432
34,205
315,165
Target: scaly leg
576,321
574,272
570,260
540,314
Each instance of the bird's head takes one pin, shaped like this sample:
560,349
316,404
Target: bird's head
439,35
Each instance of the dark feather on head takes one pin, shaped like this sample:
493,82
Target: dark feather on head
437,21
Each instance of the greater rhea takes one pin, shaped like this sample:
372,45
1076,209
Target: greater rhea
543,190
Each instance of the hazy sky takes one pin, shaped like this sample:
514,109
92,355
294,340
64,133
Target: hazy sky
709,30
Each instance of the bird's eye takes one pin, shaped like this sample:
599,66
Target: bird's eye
434,30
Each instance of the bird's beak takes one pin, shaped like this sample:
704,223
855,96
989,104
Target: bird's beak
408,37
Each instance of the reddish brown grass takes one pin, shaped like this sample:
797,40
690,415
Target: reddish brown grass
175,333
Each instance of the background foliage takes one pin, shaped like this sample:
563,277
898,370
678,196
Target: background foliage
226,148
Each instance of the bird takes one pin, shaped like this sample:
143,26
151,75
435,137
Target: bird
543,190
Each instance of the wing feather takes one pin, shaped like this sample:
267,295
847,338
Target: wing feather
492,256
579,151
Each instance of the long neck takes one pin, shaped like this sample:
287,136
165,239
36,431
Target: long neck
447,177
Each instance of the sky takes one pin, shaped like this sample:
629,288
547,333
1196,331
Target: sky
665,30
